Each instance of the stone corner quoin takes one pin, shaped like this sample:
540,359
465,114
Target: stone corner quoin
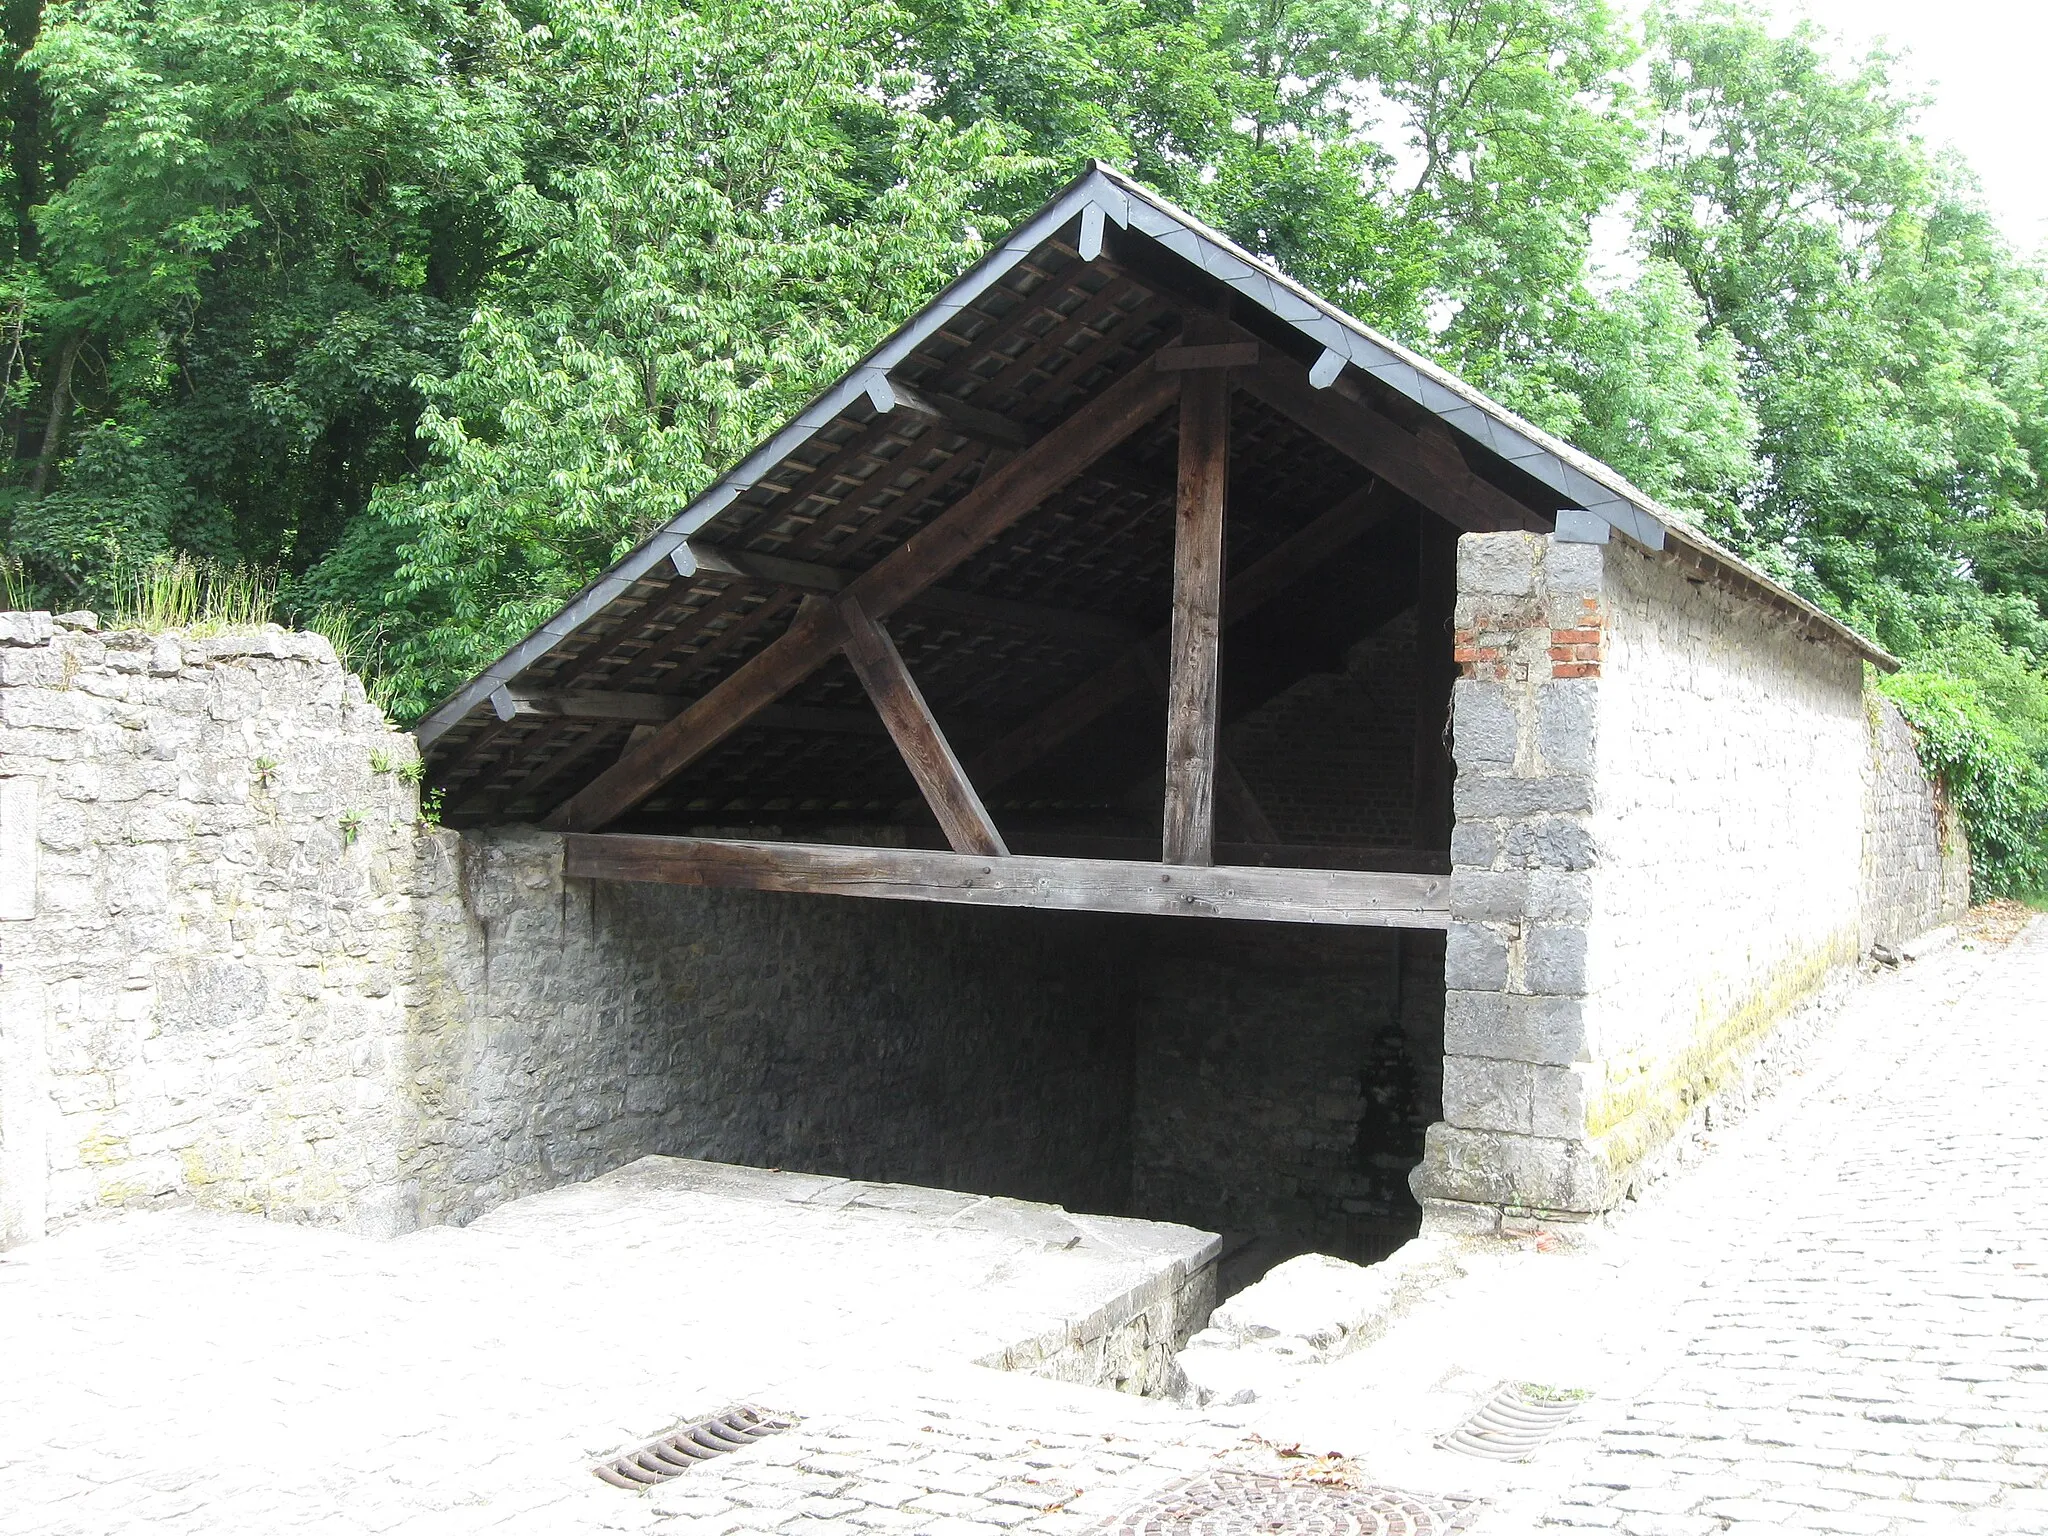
1675,820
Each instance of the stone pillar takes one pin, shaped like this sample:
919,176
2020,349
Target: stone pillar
1517,1065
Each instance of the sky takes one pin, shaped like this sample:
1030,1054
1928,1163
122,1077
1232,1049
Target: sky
1983,60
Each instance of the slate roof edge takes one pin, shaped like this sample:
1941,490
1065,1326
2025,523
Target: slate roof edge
1589,485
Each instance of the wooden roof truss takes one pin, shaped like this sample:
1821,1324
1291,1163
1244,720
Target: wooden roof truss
1063,488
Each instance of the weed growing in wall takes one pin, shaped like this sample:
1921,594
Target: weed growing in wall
16,594
358,644
199,596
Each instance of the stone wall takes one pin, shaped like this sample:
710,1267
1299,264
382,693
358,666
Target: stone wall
1674,817
577,1023
235,966
1916,858
210,851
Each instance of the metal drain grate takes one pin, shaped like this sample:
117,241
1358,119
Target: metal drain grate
1247,1504
675,1453
1511,1424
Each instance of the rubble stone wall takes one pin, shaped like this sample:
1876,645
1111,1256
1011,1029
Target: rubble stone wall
210,853
1916,857
580,1023
236,967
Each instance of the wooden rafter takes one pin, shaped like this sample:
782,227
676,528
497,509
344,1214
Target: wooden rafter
969,525
968,420
926,752
1431,472
809,576
1354,898
658,708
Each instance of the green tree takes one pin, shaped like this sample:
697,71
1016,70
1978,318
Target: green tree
750,204
251,228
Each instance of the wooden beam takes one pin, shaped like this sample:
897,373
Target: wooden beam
926,752
1194,647
1090,845
806,576
657,709
1076,710
971,421
1424,471
980,516
1223,354
1355,898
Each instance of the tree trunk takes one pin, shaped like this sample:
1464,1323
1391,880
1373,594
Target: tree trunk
60,403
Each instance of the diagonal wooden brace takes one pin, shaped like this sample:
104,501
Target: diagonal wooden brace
926,752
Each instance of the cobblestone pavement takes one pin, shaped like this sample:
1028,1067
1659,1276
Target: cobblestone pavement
1866,1346
1835,1321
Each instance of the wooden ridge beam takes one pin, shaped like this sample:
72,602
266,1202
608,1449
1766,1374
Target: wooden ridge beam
1433,472
1243,595
927,557
1352,898
926,752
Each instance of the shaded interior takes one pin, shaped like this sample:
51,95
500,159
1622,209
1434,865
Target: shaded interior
1268,1081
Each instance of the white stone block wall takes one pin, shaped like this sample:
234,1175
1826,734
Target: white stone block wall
1678,815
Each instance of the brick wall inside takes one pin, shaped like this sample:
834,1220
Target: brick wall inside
1332,760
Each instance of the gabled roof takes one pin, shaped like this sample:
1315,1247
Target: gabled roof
1035,359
